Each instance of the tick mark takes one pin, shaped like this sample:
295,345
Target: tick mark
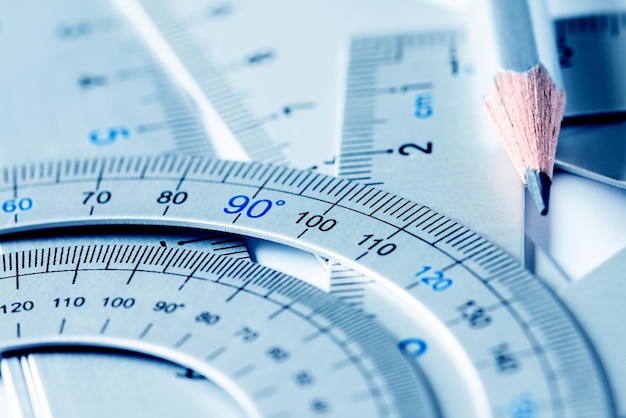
216,353
104,327
183,340
342,364
145,331
316,334
361,256
243,371
264,393
279,311
412,285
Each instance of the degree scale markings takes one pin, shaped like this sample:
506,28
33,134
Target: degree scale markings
391,385
520,308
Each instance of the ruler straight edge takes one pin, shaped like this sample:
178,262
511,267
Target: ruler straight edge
227,102
103,92
412,125
592,55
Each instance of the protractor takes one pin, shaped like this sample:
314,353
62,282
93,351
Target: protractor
491,339
258,342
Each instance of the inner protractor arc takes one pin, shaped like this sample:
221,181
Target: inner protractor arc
526,321
292,323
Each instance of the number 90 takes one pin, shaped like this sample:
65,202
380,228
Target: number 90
253,208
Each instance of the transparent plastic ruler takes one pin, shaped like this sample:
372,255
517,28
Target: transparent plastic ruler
413,123
271,70
592,53
499,326
78,80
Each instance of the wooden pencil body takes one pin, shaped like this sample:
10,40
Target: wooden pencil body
522,93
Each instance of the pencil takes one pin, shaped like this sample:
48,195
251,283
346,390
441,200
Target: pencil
524,99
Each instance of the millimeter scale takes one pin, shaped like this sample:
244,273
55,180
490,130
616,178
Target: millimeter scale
446,323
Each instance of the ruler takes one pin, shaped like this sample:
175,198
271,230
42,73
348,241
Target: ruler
278,95
413,125
592,52
591,55
82,82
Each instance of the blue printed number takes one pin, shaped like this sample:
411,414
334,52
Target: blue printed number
252,208
523,407
14,205
413,347
108,136
424,106
435,280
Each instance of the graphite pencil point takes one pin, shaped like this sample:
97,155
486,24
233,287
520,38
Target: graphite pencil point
526,110
538,184
523,100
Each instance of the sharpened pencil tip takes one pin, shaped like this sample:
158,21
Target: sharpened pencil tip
538,184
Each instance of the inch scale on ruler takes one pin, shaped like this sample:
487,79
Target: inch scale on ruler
101,87
473,294
412,125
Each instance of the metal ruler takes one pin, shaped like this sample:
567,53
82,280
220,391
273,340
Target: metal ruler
413,123
82,82
269,72
527,352
592,53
